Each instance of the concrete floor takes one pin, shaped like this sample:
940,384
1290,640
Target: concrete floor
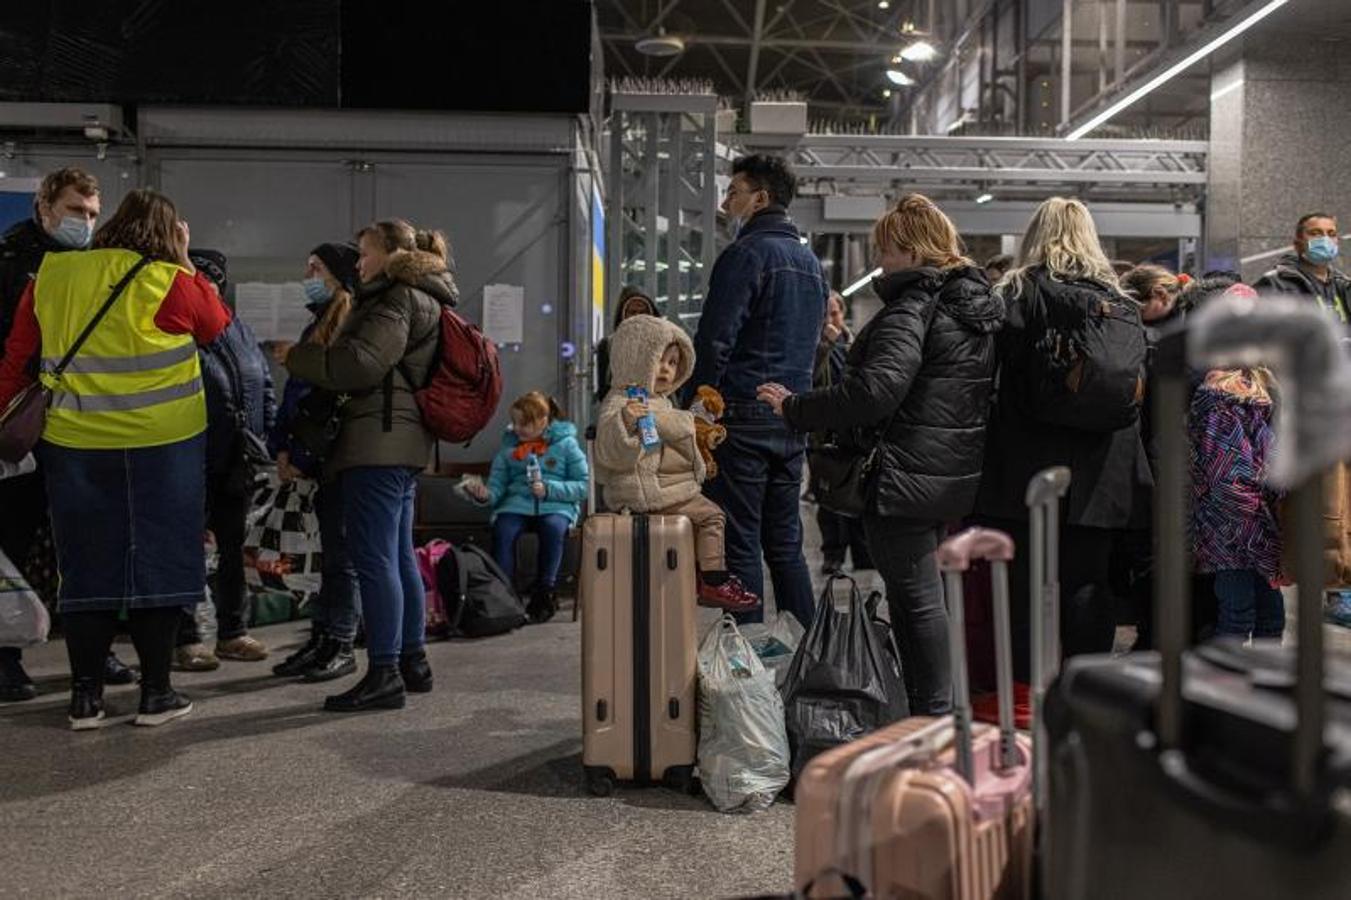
474,790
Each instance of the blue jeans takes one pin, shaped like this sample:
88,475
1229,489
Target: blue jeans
377,504
1248,605
758,483
335,610
552,530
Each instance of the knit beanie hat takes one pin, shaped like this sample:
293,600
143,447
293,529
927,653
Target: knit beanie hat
341,262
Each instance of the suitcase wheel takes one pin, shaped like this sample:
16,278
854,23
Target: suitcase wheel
600,781
681,778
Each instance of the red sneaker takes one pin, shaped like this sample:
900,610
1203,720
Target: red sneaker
731,595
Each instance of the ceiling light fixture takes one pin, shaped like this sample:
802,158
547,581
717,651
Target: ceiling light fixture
883,4
897,77
1177,68
857,285
985,198
886,92
919,51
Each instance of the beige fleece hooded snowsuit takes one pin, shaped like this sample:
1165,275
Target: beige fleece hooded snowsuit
666,480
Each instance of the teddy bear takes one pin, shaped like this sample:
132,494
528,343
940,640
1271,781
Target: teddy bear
708,407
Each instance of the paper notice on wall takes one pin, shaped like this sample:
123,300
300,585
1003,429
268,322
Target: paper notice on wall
504,313
275,312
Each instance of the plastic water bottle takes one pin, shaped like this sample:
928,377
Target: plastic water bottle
533,475
647,425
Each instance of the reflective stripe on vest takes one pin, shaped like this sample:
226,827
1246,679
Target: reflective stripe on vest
105,365
122,402
131,384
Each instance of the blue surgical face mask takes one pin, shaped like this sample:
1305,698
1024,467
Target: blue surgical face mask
1321,250
316,291
75,232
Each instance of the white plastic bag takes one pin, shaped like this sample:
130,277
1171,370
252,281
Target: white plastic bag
24,621
775,643
743,745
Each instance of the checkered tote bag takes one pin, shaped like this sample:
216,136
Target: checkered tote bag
282,551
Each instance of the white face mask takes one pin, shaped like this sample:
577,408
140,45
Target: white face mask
75,232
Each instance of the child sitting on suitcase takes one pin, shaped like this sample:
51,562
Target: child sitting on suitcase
1235,527
647,456
537,483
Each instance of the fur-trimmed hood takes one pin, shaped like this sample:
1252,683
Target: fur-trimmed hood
636,348
425,271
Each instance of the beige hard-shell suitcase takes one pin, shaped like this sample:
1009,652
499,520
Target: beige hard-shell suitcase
638,596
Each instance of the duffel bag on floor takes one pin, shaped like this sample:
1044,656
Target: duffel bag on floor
478,597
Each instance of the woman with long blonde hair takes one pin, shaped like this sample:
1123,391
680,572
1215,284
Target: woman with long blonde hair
917,380
1071,380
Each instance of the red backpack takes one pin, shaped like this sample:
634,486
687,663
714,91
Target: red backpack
465,384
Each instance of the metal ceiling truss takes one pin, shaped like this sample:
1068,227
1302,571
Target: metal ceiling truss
1150,170
783,44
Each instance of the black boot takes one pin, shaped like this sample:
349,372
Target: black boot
15,685
117,672
416,672
381,688
542,606
86,704
298,662
333,659
161,705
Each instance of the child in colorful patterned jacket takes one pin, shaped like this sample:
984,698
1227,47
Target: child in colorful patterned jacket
1235,521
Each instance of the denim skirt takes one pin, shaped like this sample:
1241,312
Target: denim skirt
128,524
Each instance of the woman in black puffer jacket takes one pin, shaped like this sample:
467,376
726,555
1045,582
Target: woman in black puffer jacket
922,370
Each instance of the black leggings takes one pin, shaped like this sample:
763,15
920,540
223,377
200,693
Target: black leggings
89,637
1087,616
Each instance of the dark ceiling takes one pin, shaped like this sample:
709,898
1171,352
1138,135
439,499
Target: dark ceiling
833,52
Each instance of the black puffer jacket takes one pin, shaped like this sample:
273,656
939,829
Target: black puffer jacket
1111,477
928,358
21,250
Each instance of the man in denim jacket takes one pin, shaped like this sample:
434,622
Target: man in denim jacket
761,321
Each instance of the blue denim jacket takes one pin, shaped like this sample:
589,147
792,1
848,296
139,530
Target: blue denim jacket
763,312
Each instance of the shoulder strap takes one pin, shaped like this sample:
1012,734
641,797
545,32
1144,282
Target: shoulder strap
98,316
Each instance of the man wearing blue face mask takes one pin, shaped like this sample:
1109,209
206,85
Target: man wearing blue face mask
1309,270
65,209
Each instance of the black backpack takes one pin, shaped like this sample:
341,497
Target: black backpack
1087,369
478,595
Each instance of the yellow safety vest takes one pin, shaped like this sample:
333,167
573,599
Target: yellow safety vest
131,384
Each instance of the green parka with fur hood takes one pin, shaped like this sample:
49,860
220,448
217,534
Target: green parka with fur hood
392,330
632,478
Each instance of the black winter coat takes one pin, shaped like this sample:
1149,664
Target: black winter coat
1111,477
928,359
21,250
1290,277
238,387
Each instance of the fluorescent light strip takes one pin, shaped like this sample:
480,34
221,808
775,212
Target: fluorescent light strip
1226,90
1173,70
849,291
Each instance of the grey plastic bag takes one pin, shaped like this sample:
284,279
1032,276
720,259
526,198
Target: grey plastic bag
743,747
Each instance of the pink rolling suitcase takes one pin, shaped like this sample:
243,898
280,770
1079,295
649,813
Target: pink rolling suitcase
928,807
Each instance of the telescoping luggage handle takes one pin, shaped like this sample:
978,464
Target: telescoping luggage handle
1044,493
955,557
590,470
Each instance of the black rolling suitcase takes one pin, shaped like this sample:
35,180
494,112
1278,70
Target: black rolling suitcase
1219,771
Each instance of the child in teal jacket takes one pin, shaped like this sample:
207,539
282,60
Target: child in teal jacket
539,443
